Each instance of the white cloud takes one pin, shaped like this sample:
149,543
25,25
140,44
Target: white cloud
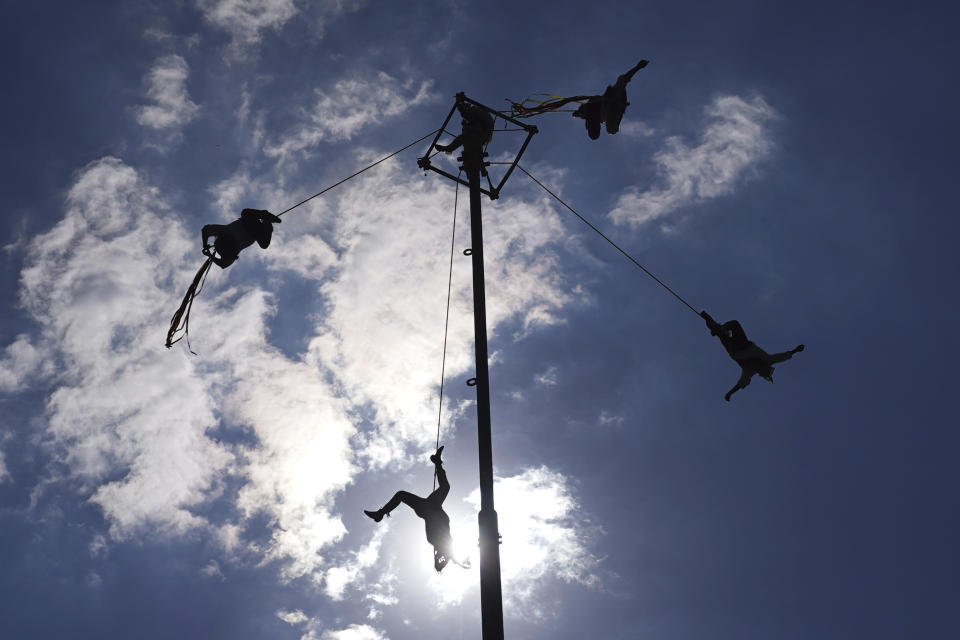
350,105
172,108
545,535
636,129
131,420
548,378
19,363
312,627
4,472
93,580
735,138
294,617
305,254
607,418
98,547
382,592
383,329
246,20
99,286
303,456
212,570
338,578
354,632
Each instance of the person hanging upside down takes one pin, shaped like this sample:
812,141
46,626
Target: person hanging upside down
253,225
431,510
592,112
752,359
615,98
609,107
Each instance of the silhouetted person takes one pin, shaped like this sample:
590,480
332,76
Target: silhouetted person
477,124
253,225
610,106
752,359
431,510
615,98
592,112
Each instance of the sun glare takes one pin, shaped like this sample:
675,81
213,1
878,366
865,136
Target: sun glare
532,509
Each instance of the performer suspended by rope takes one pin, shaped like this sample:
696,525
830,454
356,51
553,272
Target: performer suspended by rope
431,510
253,225
609,107
752,359
231,239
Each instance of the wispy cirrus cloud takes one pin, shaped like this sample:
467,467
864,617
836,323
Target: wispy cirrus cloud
350,105
247,20
171,109
734,139
338,578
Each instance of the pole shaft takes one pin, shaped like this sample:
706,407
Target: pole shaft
491,597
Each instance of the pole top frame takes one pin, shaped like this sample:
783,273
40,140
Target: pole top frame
492,191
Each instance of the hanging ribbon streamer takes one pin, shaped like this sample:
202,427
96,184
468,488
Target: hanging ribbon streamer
181,319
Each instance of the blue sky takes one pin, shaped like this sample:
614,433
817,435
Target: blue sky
787,166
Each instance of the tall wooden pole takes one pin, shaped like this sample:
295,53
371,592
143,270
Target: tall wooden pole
491,597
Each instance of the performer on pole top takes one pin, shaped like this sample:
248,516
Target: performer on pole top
477,126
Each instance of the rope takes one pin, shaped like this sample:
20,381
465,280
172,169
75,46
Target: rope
446,321
614,244
354,175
